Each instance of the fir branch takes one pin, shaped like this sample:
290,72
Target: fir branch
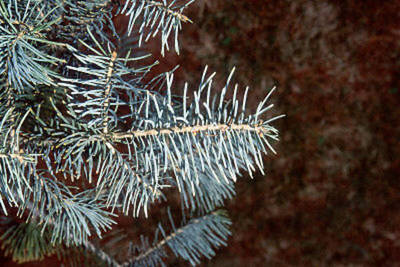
105,123
69,216
191,241
156,17
113,172
36,215
139,192
24,62
25,243
179,137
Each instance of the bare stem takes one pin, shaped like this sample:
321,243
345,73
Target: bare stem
190,129
108,89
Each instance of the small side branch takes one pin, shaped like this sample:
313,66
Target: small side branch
101,254
87,245
114,151
175,235
20,157
176,14
108,90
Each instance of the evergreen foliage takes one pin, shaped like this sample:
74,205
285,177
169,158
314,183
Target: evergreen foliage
86,137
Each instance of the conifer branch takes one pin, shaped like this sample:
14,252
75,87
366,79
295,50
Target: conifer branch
157,17
89,246
201,231
71,108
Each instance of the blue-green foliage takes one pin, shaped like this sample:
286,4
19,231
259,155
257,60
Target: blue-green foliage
153,17
85,136
193,239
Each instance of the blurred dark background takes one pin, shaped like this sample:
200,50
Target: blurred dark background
331,196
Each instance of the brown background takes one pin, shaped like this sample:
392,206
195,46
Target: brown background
332,194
